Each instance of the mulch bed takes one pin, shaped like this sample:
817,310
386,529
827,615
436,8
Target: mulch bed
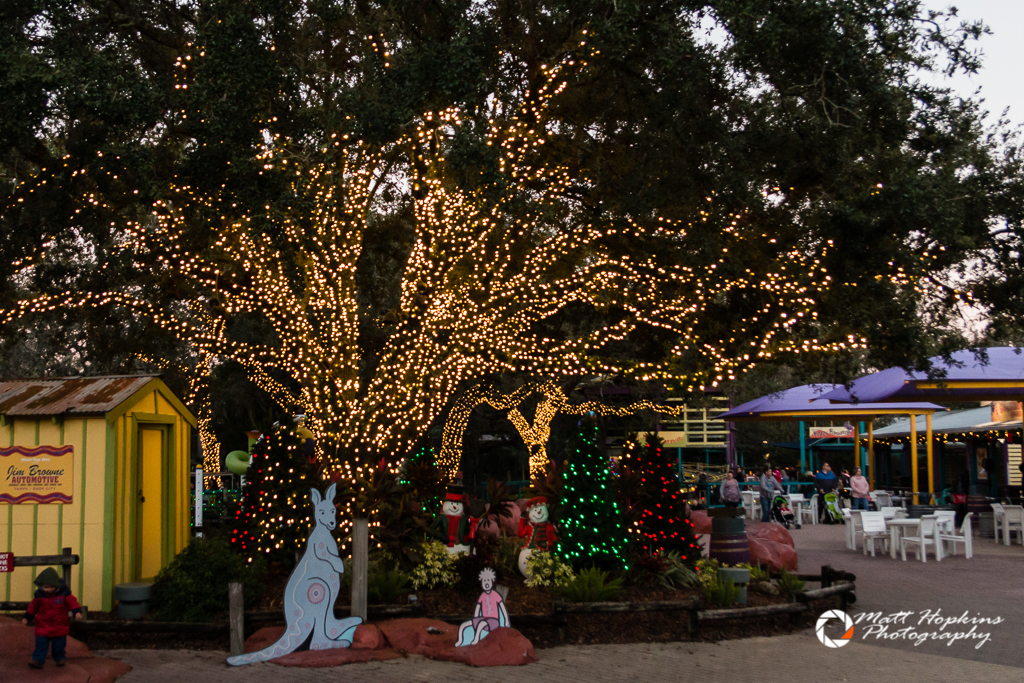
581,628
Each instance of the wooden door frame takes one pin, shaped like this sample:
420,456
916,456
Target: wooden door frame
166,424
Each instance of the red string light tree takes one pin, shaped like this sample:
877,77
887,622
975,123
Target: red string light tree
273,519
663,525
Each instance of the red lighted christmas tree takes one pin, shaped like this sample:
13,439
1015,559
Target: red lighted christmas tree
274,516
663,526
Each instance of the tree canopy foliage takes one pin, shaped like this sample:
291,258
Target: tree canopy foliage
374,206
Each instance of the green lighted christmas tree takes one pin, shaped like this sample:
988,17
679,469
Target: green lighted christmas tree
663,526
592,530
274,516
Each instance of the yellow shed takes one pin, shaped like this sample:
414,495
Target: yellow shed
97,464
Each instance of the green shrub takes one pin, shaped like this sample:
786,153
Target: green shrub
707,572
675,573
194,586
721,593
547,569
506,557
757,572
436,569
790,583
383,587
590,585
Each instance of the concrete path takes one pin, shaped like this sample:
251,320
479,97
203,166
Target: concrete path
988,586
991,585
789,659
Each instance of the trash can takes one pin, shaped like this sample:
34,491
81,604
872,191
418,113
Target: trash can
133,599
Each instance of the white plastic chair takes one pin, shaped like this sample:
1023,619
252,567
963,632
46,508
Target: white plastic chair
872,530
891,512
810,509
997,519
853,525
749,503
946,520
1013,520
965,537
882,499
928,536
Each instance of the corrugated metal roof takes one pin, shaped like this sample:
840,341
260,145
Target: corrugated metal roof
953,422
68,395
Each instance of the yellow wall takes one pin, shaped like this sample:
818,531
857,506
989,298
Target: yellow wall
105,489
34,529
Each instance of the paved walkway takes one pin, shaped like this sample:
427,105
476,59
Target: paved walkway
988,585
789,659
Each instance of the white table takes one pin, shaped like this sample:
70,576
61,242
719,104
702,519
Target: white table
899,527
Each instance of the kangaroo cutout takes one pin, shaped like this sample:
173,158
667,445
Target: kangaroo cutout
310,594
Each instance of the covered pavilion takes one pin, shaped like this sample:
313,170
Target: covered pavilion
990,374
807,402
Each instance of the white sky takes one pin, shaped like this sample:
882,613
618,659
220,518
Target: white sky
1003,55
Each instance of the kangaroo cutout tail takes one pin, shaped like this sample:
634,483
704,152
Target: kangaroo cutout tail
288,642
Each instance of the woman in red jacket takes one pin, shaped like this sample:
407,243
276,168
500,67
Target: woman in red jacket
50,608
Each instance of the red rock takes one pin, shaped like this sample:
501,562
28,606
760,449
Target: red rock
772,554
368,637
771,532
17,643
501,647
310,659
18,640
268,635
701,521
411,635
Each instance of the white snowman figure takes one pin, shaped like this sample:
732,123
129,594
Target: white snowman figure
452,525
538,533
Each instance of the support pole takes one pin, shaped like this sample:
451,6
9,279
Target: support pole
913,456
931,464
803,448
199,503
360,565
871,451
236,618
857,457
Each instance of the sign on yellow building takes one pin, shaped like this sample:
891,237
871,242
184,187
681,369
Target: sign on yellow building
44,474
97,464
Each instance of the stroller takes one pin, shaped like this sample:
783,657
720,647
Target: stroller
833,515
781,512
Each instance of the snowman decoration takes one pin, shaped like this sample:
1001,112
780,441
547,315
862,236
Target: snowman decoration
452,525
538,533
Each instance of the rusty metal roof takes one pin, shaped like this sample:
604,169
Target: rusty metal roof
68,395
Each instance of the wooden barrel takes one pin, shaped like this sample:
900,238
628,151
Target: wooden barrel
729,541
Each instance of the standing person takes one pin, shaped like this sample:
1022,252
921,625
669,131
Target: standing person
825,482
768,487
730,491
50,607
859,491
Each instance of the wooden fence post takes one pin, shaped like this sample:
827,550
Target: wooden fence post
66,566
360,566
693,622
826,576
236,618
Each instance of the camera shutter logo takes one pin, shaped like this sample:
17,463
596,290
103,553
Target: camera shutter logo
819,629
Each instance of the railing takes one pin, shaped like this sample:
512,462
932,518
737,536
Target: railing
65,560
